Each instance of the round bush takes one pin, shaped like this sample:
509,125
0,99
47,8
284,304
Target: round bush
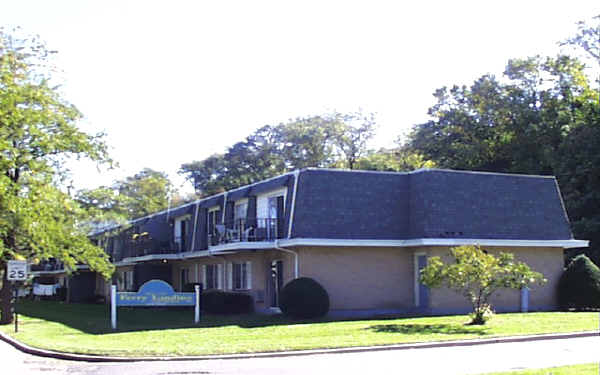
304,298
579,285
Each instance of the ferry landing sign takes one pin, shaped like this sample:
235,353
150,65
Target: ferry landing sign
156,293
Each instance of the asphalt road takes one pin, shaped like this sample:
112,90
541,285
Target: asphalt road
451,360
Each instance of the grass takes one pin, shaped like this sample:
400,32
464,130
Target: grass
586,369
80,328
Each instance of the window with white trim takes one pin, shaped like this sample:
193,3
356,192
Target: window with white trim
181,229
125,281
213,218
212,276
241,276
240,210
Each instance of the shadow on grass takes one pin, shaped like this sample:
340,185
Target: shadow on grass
95,319
426,329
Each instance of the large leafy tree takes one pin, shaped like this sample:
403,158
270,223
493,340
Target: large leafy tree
135,196
37,133
578,173
333,140
395,160
511,125
477,275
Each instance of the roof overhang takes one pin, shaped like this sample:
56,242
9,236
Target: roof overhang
566,244
234,247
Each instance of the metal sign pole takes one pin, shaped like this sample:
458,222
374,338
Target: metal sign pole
113,306
16,290
197,308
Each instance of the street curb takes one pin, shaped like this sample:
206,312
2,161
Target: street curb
423,345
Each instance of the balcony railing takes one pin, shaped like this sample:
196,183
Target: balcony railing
146,246
48,265
246,230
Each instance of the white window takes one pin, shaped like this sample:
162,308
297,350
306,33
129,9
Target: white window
240,276
267,203
240,211
212,276
181,229
214,217
125,281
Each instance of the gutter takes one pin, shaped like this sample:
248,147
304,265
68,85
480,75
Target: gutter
276,247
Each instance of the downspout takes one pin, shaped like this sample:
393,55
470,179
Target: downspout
224,208
289,252
293,205
195,227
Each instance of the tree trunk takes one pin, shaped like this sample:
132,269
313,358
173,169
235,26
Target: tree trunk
6,307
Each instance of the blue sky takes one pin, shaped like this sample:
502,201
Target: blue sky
175,81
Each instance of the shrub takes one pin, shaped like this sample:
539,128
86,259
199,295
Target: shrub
219,302
304,298
476,275
579,285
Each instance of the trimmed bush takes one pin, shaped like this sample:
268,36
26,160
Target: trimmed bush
219,302
579,285
304,298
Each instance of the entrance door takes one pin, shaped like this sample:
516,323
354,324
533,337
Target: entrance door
421,291
275,282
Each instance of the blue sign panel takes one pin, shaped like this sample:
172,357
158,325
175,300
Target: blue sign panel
156,293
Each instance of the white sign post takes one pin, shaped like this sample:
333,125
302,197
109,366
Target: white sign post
113,306
16,270
197,306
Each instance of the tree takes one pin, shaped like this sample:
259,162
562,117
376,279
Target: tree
396,160
515,125
476,275
352,132
578,173
336,140
146,192
37,133
587,38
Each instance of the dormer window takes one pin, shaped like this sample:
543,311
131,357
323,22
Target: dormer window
181,230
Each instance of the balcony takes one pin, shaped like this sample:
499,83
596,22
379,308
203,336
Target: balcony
146,246
246,230
47,265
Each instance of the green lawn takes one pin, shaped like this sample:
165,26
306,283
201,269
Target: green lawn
82,328
587,369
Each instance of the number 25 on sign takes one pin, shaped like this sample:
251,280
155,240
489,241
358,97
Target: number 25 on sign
16,270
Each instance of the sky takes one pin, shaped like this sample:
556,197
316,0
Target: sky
170,82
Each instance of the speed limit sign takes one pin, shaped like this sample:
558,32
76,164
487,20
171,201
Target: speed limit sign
16,270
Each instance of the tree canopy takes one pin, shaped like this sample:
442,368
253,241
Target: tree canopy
333,140
146,192
38,131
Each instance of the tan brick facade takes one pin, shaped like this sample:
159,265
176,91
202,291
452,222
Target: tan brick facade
372,278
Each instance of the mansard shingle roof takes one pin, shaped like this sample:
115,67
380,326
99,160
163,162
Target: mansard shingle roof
429,203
